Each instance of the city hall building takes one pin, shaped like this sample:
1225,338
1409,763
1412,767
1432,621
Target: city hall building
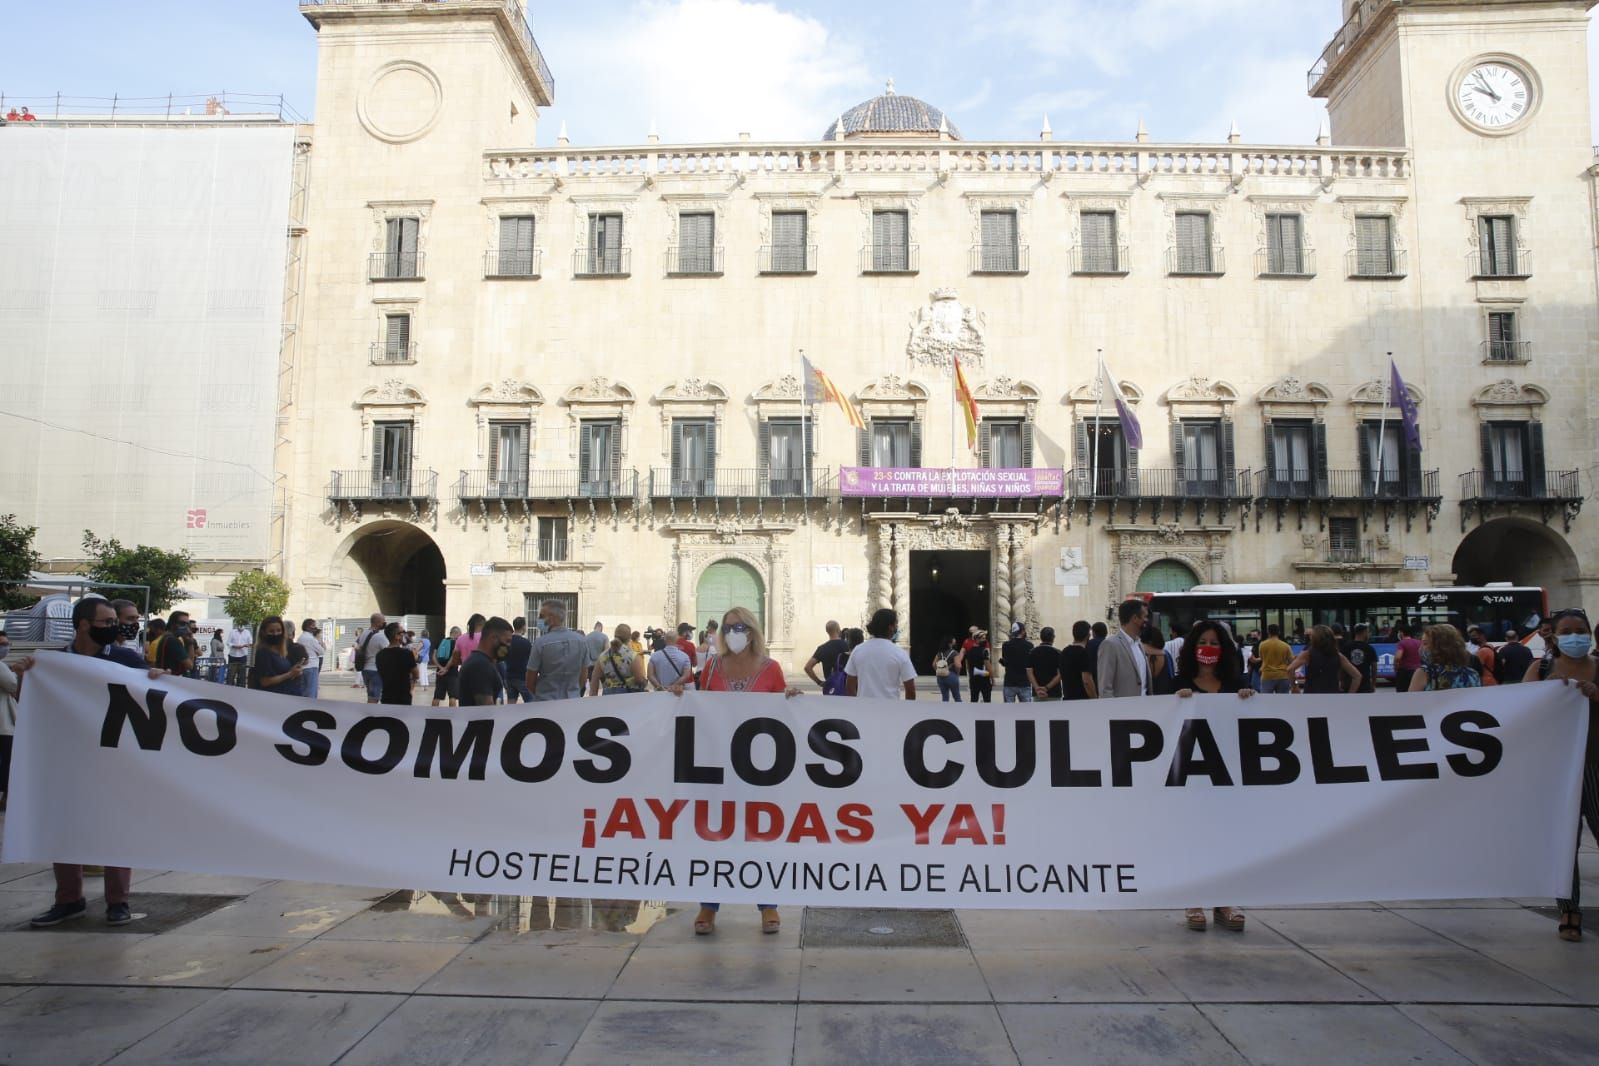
528,372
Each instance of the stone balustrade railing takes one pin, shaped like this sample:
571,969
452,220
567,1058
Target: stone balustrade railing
1045,159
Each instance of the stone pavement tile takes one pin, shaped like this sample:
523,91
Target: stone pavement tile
1283,974
1288,1034
530,970
172,959
42,882
241,1027
1571,969
35,956
1116,1035
1515,1036
1056,930
737,923
1096,975
1458,975
901,1035
13,991
1316,930
1449,904
293,917
199,884
355,966
413,927
448,1031
308,889
913,975
1490,929
712,971
12,872
692,1034
17,907
63,1026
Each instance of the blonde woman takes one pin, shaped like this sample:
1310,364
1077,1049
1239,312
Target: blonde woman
620,670
740,665
1445,662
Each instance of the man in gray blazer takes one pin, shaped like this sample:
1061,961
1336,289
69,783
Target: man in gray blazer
1123,670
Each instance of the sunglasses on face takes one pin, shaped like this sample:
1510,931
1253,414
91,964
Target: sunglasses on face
735,627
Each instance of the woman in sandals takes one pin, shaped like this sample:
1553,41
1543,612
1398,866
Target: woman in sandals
740,665
1210,663
1571,660
620,670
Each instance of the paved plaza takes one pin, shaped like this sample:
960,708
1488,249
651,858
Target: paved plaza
226,970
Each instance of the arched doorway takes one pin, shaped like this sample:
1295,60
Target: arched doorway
393,567
1168,575
1521,552
729,583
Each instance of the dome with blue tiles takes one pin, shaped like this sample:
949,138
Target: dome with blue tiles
892,115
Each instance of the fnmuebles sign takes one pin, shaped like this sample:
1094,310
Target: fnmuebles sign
752,798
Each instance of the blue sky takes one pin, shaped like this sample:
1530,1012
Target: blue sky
705,70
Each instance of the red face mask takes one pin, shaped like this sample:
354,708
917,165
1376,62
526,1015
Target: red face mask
1208,655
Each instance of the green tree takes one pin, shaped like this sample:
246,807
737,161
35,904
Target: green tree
17,560
161,570
254,595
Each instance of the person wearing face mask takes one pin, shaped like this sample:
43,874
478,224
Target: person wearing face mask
561,657
397,668
880,668
1209,664
272,671
8,717
1571,662
311,670
95,633
171,651
480,674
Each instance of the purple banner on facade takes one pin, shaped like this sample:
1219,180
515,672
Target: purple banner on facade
932,481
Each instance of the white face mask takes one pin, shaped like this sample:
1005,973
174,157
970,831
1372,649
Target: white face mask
736,642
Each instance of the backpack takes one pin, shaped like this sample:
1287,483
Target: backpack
360,650
942,663
836,685
445,649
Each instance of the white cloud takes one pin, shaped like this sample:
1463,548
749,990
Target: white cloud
705,70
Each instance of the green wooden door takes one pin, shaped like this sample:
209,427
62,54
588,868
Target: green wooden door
728,584
1168,575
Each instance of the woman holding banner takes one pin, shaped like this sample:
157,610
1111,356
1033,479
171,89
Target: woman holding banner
740,665
1209,663
1572,661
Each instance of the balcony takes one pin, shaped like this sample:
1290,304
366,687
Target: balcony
504,493
352,491
738,486
612,263
1394,495
1102,262
1545,492
989,259
694,263
1167,492
1285,263
788,259
396,266
386,354
1366,266
513,263
1364,14
905,259
1515,265
1514,352
545,550
1187,265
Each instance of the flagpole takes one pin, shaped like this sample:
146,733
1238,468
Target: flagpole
1382,432
807,429
954,387
1099,407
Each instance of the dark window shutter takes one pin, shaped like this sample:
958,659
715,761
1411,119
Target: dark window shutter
1027,443
1193,242
1374,246
397,340
1368,454
1318,457
1131,487
1081,456
890,240
764,445
710,449
916,444
615,472
1490,465
1228,456
377,453
985,444
585,450
1412,469
696,242
1099,242
677,450
863,446
1177,456
1536,472
998,232
788,240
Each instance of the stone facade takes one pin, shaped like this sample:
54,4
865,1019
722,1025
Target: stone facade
659,321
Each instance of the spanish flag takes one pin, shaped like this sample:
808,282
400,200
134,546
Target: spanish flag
820,387
968,405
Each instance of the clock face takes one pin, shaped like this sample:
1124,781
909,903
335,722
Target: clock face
1494,96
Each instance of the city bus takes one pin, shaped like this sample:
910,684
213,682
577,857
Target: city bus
1496,608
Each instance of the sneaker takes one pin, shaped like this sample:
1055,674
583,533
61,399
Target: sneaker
118,914
61,912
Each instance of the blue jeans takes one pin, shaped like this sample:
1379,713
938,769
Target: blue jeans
1018,694
311,682
374,686
950,688
515,688
1277,688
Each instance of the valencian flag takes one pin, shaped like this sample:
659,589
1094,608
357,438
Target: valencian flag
968,405
1399,396
1132,432
820,387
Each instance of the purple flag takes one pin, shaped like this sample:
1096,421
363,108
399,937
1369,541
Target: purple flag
1132,431
1407,407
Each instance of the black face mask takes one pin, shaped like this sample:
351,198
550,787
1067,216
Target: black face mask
272,638
128,630
105,636
180,630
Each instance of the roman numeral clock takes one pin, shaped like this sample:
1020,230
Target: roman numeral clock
1494,95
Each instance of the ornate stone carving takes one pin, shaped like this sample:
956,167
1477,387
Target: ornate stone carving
1507,393
692,390
787,387
1201,390
1291,390
599,389
393,392
508,391
944,330
891,388
1090,393
1377,391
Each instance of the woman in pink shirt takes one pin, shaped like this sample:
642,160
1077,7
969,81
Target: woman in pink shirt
1407,660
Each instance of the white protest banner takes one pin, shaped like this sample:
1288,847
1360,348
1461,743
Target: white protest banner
753,798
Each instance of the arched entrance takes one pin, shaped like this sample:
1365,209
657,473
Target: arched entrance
729,583
1522,552
393,567
1168,575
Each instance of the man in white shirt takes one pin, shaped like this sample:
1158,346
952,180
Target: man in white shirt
1174,646
879,668
369,646
239,644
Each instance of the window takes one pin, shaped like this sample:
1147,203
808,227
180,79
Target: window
599,457
696,243
1202,449
396,338
552,540
1100,252
1513,458
1503,345
1285,246
508,459
400,248
891,444
693,457
1496,239
1374,246
1291,456
783,455
391,459
1005,445
605,252
891,241
1000,253
1105,466
515,257
1389,467
1193,243
789,252
1343,538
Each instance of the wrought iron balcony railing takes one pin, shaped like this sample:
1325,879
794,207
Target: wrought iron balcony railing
1345,485
483,486
1285,263
1506,351
694,262
1486,265
357,486
1147,483
607,263
396,266
1381,266
667,483
1529,485
1099,260
513,263
1180,264
788,259
999,259
386,354
891,259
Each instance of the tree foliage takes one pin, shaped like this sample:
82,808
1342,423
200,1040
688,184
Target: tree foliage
17,561
161,570
254,595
